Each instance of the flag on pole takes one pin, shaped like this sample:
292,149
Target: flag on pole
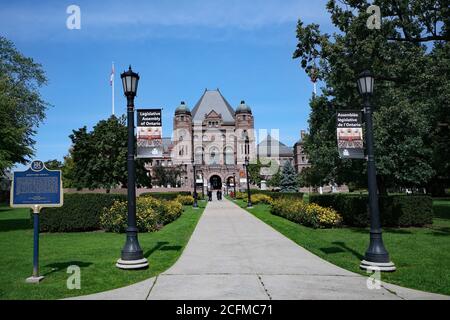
111,79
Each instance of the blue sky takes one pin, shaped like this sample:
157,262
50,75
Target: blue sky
179,48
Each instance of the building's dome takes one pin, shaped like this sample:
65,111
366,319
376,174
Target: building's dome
182,108
243,107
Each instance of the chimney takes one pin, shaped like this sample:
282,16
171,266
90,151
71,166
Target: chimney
302,134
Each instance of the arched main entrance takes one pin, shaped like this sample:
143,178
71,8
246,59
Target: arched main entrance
215,182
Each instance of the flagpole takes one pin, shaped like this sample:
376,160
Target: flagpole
112,85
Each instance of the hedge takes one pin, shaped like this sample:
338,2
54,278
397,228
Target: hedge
167,195
80,212
277,195
395,210
4,196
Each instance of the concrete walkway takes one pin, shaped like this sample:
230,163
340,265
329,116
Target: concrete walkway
233,255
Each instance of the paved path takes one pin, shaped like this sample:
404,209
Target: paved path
233,255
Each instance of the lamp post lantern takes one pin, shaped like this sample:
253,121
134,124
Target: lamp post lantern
376,257
195,204
249,201
132,256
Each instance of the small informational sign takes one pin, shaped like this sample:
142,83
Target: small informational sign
36,186
349,134
149,133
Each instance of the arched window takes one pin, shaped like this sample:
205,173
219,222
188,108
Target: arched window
198,155
214,155
229,155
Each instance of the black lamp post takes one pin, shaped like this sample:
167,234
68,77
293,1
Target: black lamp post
376,256
249,201
132,256
234,186
195,205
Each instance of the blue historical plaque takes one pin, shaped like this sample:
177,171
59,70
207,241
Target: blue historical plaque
37,186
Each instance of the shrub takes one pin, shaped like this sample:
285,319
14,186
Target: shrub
151,214
165,195
395,210
185,200
173,210
80,212
241,195
260,198
311,215
276,195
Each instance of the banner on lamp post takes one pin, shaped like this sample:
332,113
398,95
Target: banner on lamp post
349,134
149,133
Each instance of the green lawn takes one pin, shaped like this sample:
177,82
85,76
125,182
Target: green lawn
422,255
94,252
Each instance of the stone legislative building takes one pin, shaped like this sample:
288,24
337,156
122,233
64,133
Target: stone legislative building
217,138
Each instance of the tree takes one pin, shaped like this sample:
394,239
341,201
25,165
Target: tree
254,172
53,164
288,181
411,95
100,157
275,180
164,176
68,174
21,105
308,177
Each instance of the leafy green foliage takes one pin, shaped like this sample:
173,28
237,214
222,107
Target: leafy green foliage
100,157
22,108
53,164
277,195
307,214
275,180
164,176
412,88
165,195
395,210
254,172
80,212
151,214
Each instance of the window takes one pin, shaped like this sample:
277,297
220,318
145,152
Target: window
214,155
198,156
229,155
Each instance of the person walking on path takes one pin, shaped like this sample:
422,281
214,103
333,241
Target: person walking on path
209,195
